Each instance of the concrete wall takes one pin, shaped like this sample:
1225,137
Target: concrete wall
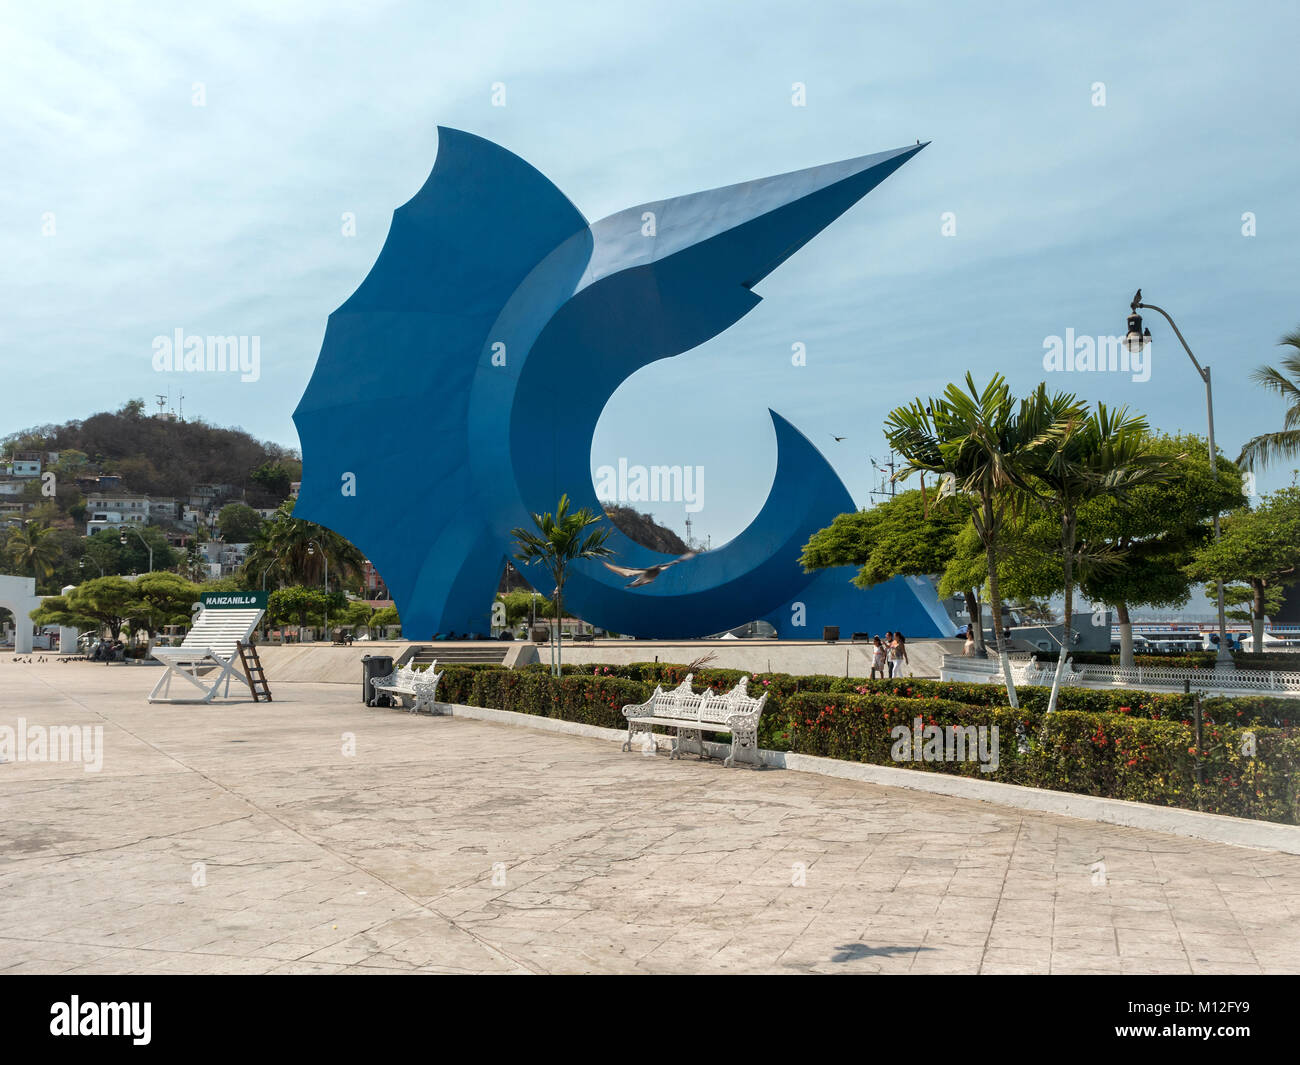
342,665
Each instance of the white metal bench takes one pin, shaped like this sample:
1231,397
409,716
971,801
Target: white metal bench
208,654
1044,673
413,688
690,715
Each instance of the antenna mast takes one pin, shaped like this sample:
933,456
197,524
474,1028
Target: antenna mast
886,471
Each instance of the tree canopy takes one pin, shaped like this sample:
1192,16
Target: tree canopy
905,535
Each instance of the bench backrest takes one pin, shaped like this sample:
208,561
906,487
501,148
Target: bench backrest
707,706
408,676
222,630
671,702
718,706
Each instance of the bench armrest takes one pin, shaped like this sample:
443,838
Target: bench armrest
426,682
747,716
645,709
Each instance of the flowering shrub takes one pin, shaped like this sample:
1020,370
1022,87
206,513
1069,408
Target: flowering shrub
1130,745
1116,755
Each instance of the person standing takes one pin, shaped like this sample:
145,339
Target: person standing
897,655
878,659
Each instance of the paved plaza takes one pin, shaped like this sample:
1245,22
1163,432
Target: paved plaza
314,835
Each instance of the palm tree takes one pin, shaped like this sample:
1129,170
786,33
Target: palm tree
980,443
559,540
287,547
32,550
1263,449
1104,453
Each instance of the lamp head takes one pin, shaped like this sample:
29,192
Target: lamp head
1136,338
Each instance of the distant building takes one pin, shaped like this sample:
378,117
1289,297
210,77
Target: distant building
108,510
162,508
207,495
27,463
222,559
374,583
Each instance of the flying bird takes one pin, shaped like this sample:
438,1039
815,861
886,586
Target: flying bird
837,439
646,576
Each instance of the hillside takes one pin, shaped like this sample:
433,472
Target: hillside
164,457
645,530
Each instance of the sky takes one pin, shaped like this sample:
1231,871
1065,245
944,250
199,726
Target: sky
190,167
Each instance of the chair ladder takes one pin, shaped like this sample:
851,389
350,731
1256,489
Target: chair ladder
253,671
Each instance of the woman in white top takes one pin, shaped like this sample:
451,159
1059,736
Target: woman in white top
878,659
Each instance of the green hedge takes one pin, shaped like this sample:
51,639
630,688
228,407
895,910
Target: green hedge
1273,711
1124,745
1111,755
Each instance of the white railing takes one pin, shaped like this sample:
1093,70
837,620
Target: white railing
989,670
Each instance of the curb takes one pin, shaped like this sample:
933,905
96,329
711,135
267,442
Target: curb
1214,828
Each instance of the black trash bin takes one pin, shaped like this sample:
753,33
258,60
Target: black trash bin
373,666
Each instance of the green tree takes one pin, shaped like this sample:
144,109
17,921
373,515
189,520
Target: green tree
1098,454
106,549
58,610
355,613
560,540
238,523
1028,568
1259,548
296,604
1259,451
32,550
385,617
274,478
980,442
1155,531
105,602
910,534
162,599
287,550
521,605
72,463
1239,595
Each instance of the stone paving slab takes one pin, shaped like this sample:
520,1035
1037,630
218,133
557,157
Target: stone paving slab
315,835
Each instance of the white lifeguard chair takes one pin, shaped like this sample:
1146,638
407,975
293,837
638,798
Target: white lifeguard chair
215,646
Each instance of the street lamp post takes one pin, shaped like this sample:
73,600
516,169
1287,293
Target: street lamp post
311,550
269,565
148,547
1136,338
82,564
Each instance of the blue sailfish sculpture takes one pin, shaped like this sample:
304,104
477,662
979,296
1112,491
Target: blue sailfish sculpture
492,330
